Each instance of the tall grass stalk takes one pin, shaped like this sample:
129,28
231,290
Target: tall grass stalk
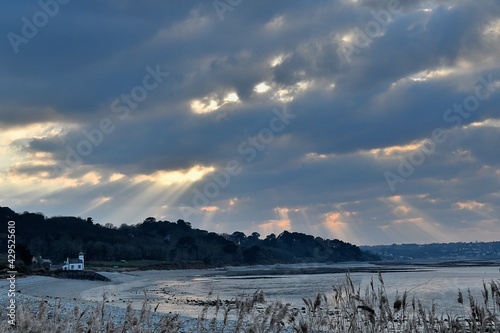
347,309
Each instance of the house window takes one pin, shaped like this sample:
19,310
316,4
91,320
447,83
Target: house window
79,266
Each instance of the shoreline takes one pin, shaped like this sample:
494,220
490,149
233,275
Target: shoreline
64,296
190,293
71,289
174,288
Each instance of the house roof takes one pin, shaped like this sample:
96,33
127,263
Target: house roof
39,259
75,261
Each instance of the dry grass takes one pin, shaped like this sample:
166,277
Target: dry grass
348,309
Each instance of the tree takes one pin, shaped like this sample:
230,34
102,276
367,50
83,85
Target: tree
270,240
183,224
124,227
238,237
251,255
150,220
188,245
270,237
230,248
24,254
255,235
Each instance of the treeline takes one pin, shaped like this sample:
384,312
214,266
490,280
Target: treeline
441,251
65,236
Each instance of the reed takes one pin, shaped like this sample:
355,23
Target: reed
346,309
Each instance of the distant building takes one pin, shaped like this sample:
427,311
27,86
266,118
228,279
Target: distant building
40,262
72,264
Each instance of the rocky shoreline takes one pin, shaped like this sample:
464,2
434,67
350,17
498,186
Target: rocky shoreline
75,275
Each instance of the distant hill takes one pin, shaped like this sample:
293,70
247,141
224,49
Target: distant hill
59,237
437,251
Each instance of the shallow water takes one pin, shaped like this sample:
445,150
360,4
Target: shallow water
438,285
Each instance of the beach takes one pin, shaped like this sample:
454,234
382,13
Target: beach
189,293
171,288
165,292
66,294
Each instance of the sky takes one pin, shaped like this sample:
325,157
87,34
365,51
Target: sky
370,121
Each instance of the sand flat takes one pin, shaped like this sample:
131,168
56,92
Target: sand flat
123,288
45,286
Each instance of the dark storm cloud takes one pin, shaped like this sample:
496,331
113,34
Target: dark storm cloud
91,54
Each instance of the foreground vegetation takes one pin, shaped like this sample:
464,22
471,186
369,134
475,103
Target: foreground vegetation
346,309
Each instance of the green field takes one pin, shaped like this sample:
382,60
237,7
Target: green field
121,264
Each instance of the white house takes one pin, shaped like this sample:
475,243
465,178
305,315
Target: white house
74,264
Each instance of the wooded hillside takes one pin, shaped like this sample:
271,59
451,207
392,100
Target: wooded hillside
65,236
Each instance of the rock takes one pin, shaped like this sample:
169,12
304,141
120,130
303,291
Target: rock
78,275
